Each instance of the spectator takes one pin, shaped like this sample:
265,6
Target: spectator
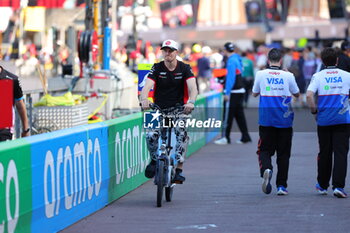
309,65
261,61
344,59
248,76
287,59
204,70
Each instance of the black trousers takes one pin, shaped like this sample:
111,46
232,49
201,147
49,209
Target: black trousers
332,139
248,85
273,140
5,134
235,110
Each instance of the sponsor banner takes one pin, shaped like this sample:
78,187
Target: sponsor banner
15,186
70,172
143,70
128,154
213,102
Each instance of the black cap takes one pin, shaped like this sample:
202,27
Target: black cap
229,47
345,45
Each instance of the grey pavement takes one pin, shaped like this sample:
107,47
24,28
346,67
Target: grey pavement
222,193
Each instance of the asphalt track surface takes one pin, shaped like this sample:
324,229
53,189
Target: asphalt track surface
222,193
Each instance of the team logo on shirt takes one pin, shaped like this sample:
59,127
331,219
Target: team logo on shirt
275,81
332,72
334,80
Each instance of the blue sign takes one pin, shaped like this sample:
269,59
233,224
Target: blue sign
143,70
214,111
151,120
70,176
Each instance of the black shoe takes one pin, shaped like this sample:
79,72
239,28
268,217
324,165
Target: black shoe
151,169
243,141
178,178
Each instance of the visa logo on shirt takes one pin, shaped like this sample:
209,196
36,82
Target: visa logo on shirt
275,81
334,80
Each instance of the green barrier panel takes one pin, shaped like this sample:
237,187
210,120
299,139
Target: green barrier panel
128,154
15,186
197,137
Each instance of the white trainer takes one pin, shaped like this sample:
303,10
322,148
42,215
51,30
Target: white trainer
221,141
266,185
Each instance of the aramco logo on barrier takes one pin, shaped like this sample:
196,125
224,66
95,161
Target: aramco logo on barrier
76,183
9,178
131,154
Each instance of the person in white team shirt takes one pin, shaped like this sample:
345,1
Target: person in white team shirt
276,88
333,122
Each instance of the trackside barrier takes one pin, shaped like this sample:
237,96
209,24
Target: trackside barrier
213,110
70,174
50,181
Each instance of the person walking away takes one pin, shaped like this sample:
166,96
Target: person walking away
234,95
174,84
204,70
333,122
309,66
261,60
17,100
297,70
287,59
344,59
275,87
248,76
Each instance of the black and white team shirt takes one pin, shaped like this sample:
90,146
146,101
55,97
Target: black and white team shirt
170,87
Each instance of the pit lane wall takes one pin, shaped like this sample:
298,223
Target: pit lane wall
50,181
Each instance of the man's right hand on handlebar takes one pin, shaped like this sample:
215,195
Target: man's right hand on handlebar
145,104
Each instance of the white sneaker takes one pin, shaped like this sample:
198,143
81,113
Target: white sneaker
281,190
221,141
340,193
266,186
